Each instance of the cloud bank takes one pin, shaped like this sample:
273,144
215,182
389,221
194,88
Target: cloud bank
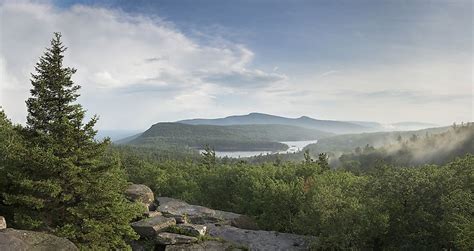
137,70
125,62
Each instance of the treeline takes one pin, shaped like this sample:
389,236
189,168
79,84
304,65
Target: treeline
428,207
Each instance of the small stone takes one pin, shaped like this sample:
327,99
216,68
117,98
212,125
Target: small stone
172,239
151,214
180,219
192,229
3,223
150,226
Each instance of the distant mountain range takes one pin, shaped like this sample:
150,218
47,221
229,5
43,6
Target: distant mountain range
254,131
332,126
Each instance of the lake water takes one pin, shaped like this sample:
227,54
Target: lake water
293,147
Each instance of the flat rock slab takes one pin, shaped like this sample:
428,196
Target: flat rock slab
205,246
22,240
196,214
258,239
151,226
192,229
172,239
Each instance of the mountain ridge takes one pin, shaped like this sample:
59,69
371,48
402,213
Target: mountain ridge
333,126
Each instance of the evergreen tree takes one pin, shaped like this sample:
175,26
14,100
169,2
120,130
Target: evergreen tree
323,161
64,181
209,157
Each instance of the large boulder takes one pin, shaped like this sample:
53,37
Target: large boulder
196,214
3,223
22,240
259,240
172,239
142,194
151,226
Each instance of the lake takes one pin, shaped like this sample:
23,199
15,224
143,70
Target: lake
293,147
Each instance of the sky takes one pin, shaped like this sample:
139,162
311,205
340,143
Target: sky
142,62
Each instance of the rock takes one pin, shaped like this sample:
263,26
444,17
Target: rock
3,223
142,245
150,226
180,219
191,229
196,214
151,214
204,246
171,239
258,239
244,222
13,240
140,193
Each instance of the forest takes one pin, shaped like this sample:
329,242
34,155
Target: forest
56,177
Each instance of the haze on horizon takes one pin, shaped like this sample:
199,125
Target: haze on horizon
142,62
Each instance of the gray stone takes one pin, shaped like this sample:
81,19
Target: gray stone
3,222
153,214
140,193
150,226
22,240
204,246
258,239
196,214
172,239
192,229
180,219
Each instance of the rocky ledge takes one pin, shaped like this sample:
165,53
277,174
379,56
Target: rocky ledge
22,240
172,224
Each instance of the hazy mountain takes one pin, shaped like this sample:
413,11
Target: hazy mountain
115,135
306,122
233,137
405,126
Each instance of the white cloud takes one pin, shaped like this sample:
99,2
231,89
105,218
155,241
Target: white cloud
138,70
120,58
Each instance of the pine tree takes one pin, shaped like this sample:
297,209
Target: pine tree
65,182
323,161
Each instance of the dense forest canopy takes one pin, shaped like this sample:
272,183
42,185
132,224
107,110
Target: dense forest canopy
414,192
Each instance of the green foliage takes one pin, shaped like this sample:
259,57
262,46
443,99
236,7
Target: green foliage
428,207
59,178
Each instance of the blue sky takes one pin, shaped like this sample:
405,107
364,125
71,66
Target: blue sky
386,61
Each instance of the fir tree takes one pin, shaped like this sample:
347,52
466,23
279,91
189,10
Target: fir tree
64,181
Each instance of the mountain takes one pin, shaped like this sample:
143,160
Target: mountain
115,135
332,126
226,138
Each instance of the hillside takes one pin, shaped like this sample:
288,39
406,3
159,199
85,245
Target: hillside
348,142
306,122
226,138
415,150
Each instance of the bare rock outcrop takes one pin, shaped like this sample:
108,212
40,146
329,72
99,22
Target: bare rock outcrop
23,240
